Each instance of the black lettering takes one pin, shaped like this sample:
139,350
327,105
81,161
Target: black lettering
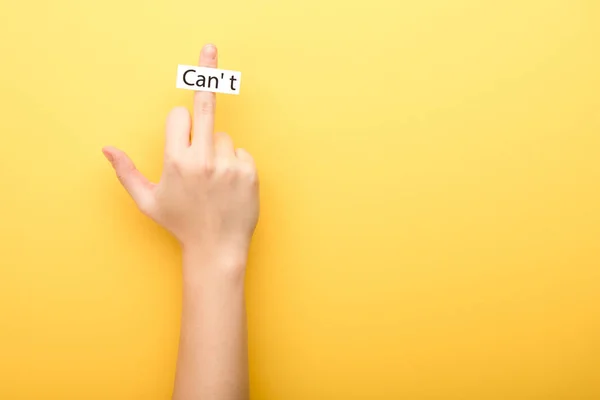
202,79
233,78
210,78
186,82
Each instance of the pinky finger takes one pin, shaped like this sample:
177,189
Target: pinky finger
248,165
244,156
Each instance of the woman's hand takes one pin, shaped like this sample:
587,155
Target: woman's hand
207,196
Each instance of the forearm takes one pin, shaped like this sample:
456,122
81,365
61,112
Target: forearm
212,362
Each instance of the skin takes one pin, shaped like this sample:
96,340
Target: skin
207,197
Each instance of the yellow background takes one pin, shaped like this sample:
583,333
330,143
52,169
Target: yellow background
430,172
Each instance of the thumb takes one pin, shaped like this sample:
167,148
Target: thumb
136,184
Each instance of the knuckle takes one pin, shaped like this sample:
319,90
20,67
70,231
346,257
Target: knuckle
226,168
206,106
175,163
249,158
245,155
220,135
204,168
250,173
188,166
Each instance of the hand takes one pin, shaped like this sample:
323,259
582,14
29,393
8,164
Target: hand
207,196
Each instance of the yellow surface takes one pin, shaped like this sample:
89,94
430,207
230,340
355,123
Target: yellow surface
430,188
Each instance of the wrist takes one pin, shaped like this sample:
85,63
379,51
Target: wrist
209,262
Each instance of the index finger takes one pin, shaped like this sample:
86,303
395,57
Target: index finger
204,107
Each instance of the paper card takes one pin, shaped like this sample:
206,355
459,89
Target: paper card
215,80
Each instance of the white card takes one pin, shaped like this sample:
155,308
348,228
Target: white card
215,80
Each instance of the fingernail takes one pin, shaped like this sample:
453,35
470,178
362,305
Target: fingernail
210,50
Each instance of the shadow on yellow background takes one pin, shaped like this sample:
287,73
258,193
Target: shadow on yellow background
430,172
